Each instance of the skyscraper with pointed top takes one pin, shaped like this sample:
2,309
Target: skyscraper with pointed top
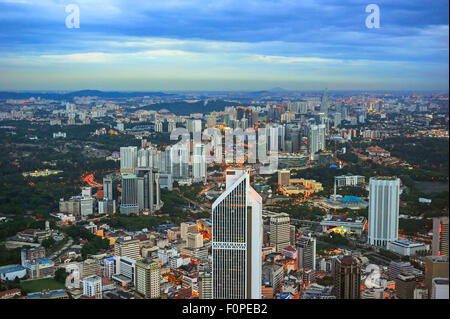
237,239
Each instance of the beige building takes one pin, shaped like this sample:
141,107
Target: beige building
128,248
194,240
284,177
148,278
435,267
280,233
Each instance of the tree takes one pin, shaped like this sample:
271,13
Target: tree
61,275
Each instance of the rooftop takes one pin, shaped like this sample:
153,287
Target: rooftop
10,268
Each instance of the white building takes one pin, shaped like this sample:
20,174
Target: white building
87,206
128,159
236,239
406,247
439,288
384,200
349,180
92,286
199,163
280,232
317,139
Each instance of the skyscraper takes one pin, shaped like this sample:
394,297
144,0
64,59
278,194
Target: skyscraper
237,239
179,161
129,204
324,104
199,163
148,278
108,187
128,159
306,253
204,285
280,231
317,139
148,190
384,200
347,278
435,267
440,236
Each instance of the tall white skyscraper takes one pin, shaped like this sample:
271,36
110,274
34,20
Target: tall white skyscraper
128,159
237,239
317,139
384,200
199,163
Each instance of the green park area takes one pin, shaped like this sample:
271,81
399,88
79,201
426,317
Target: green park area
40,284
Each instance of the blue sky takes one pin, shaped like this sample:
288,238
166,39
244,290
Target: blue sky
223,45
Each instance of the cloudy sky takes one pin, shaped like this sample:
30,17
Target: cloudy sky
223,45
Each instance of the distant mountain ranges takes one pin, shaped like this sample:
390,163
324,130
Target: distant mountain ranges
82,93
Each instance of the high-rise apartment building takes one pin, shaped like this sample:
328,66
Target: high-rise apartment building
199,163
306,253
148,278
280,231
384,201
108,188
347,278
204,285
237,239
148,190
317,139
128,159
440,236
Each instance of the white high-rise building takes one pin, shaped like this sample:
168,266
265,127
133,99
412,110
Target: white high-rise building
237,239
317,139
128,159
384,200
199,163
92,286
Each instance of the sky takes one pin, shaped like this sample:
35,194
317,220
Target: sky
152,45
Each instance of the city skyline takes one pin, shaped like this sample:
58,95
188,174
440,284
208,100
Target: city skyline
223,46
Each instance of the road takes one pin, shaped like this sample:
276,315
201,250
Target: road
63,248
